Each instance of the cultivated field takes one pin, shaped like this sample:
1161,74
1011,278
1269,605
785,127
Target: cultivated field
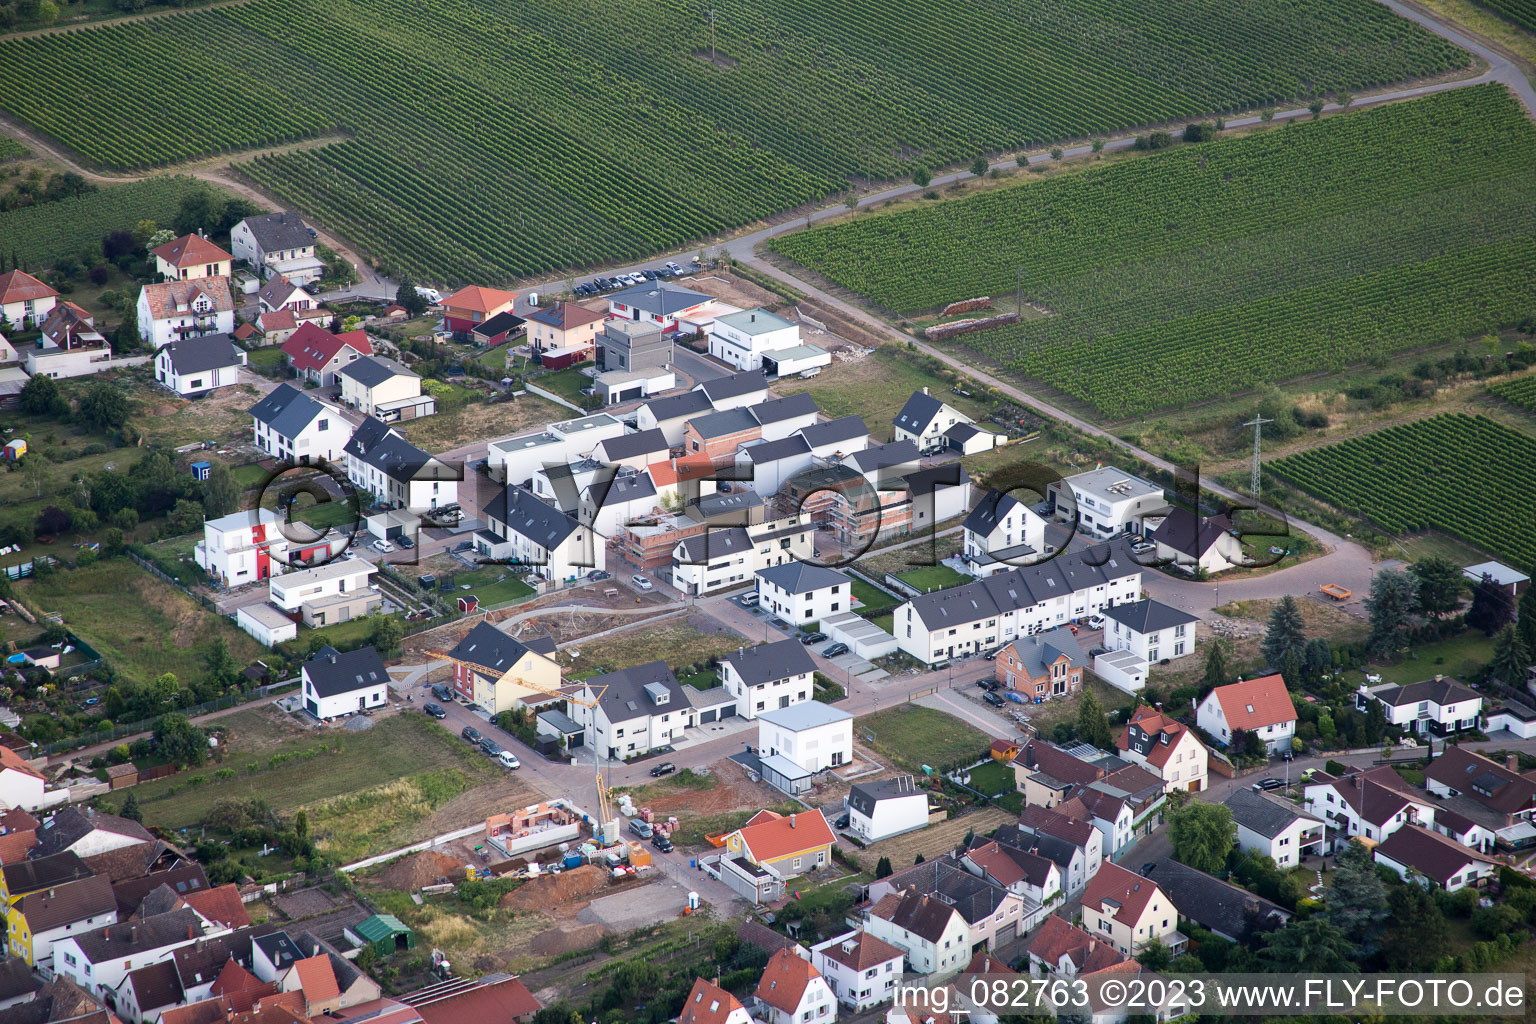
37,235
1520,391
1164,277
1398,478
585,132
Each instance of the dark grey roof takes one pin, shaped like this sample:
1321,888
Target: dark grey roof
863,796
884,456
1214,904
1056,849
627,446
1148,616
720,503
279,948
767,663
713,543
802,577
370,371
734,386
975,898
527,516
844,428
69,825
1188,535
368,433
1025,586
1258,813
772,451
655,297
198,355
776,410
398,459
17,979
560,722
502,323
48,868
950,474
332,673
992,509
1039,652
689,403
490,648
155,985
201,962
1442,691
287,410
544,645
282,230
719,424
115,941
638,690
918,412
622,488
962,432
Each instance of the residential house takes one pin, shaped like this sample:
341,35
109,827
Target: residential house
25,301
1435,707
318,356
924,419
1015,869
1261,706
99,959
634,710
1048,775
18,984
1000,533
1059,947
978,616
889,807
174,310
1479,835
636,450
727,556
514,460
88,832
279,293
1166,747
336,685
36,920
521,529
1151,630
498,673
278,244
191,257
396,473
1276,830
656,304
809,737
741,339
1106,502
672,413
842,436
18,830
792,991
473,305
1042,667
70,345
769,676
931,931
1130,911
861,969
376,386
993,916
1069,840
145,993
1220,907
328,593
791,845
770,465
498,998
1418,854
619,386
1498,788
276,328
22,786
736,391
606,507
242,547
1198,542
495,331
780,418
1372,804
800,593
708,1003
195,366
626,346
563,334
719,435
292,427
1514,717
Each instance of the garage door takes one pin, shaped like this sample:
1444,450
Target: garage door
708,716
630,394
576,739
1007,933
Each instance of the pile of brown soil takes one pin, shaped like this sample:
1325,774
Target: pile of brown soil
567,939
549,892
424,868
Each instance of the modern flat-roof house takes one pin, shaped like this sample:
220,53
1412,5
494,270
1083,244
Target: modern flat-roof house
316,355
652,302
1153,631
523,530
799,592
1107,501
563,334
278,244
1166,747
70,345
499,672
514,460
1261,706
768,677
1204,542
1001,533
24,300
1436,707
190,257
924,419
978,616
1043,666
809,737
879,810
637,710
1510,579
195,366
329,593
382,463
1417,854
336,684
242,547
741,339
1278,831
626,345
266,623
376,386
292,427
173,310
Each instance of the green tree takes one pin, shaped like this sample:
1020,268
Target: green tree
385,632
221,494
1093,723
1201,834
406,295
920,176
38,472
1526,622
198,212
1057,153
40,397
1098,145
1316,106
180,741
883,868
131,808
979,166
1493,607
1440,585
222,667
1310,946
1287,632
1155,957
105,407
185,516
1217,672
27,10
301,825
1357,897
1391,602
166,688
47,12
1510,658
366,959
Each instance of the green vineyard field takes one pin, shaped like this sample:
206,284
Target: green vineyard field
503,138
1209,269
1465,476
1516,12
10,149
36,235
1520,391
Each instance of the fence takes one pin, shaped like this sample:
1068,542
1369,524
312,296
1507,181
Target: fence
892,583
151,567
551,396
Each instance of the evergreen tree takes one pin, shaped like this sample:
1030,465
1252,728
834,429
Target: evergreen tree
1310,946
1217,672
1357,899
1290,670
1440,585
1093,723
883,868
1416,929
1392,599
1287,632
1493,607
131,808
1510,658
221,495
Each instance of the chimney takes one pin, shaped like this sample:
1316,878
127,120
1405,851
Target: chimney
133,933
1359,782
191,934
1512,762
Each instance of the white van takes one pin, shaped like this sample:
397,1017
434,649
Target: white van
749,600
432,295
509,760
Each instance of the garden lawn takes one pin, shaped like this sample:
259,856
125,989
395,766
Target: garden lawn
493,585
173,556
911,736
566,383
250,475
1460,656
143,626
993,778
872,600
933,577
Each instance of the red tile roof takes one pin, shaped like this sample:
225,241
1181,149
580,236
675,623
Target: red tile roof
1126,888
244,331
191,251
277,320
311,346
785,980
318,978
1058,937
20,286
708,1003
15,845
206,1011
10,759
165,298
1256,703
866,951
480,300
1057,763
1073,825
221,905
769,836
240,987
492,1002
1155,724
985,963
670,471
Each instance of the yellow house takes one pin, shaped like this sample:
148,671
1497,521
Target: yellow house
35,921
791,845
1130,911
499,673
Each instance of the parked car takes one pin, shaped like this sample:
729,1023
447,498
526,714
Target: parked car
407,543
665,768
383,547
813,638
641,582
1095,621
993,699
833,650
1288,756
434,710
509,760
443,692
649,275
843,821
599,574
988,684
470,733
490,746
750,600
1148,868
1268,784
673,267
991,655
661,843
640,828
